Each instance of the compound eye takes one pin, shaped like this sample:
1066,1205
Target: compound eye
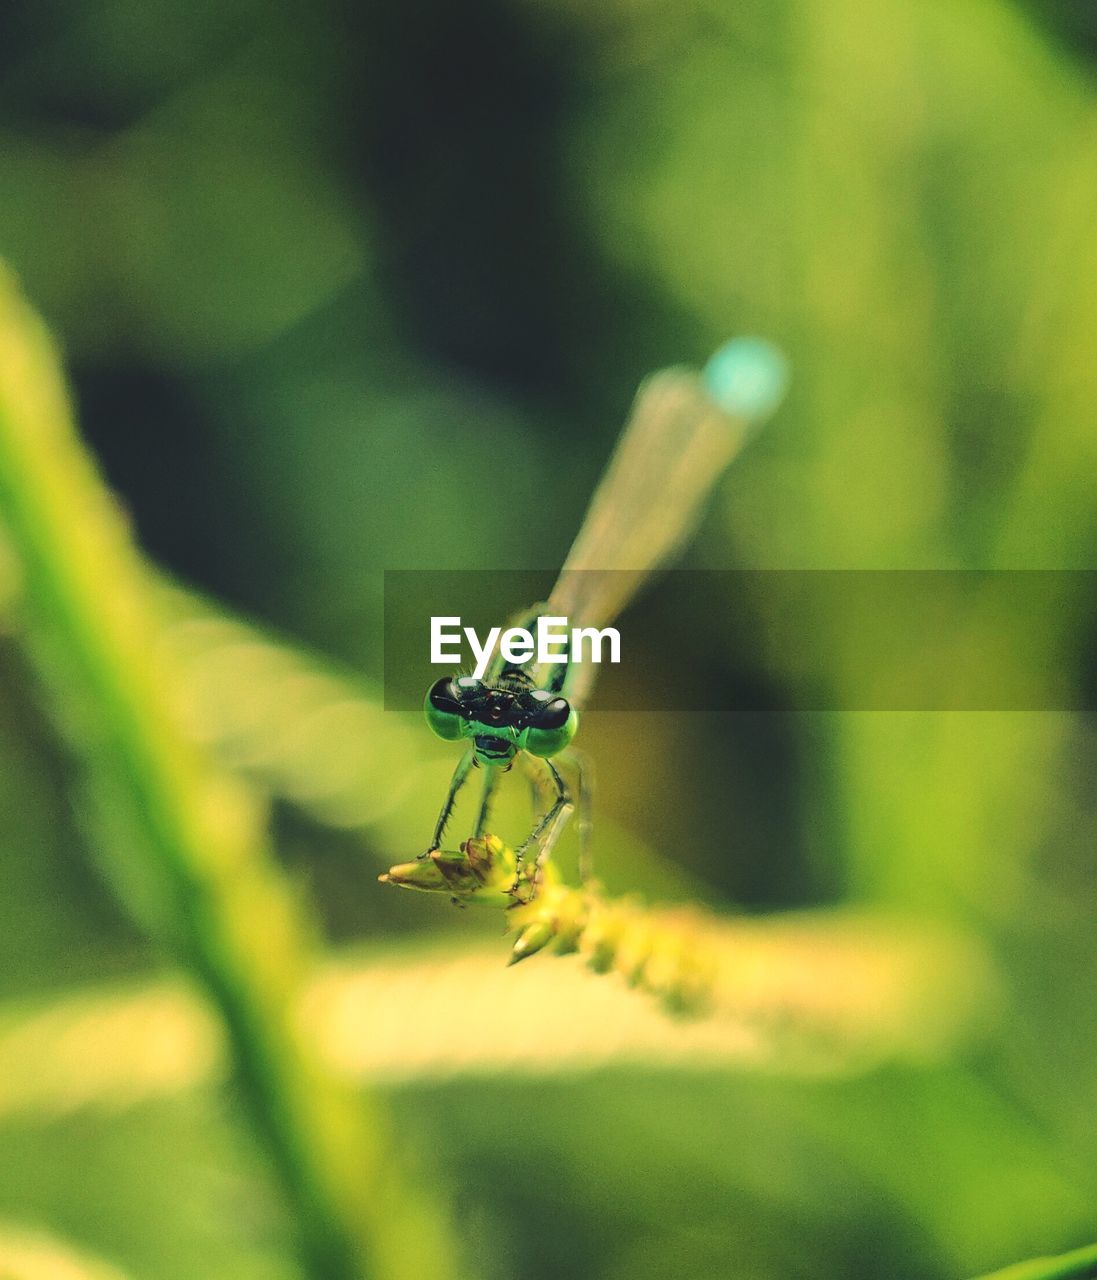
442,709
445,696
552,714
551,729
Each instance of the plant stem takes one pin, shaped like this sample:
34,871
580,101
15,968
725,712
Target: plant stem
184,843
1078,1265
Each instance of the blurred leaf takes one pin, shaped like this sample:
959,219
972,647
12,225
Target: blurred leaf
28,1255
1070,1266
814,997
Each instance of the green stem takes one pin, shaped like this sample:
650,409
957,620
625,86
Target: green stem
1081,1264
185,843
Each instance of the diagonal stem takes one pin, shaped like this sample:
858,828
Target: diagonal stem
185,843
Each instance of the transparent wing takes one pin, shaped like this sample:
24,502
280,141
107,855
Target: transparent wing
675,447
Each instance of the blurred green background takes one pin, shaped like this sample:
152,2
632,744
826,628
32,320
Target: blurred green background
349,288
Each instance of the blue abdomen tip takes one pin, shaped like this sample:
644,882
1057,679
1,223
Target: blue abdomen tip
747,377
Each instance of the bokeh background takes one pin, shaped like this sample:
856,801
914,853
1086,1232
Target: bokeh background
345,288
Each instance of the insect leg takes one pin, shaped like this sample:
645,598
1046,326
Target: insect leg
583,765
491,779
547,831
460,774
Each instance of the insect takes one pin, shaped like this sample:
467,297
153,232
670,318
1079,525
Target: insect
685,428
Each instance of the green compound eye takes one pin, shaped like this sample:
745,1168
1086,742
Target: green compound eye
552,730
442,709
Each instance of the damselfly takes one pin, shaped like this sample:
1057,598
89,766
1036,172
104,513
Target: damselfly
684,430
